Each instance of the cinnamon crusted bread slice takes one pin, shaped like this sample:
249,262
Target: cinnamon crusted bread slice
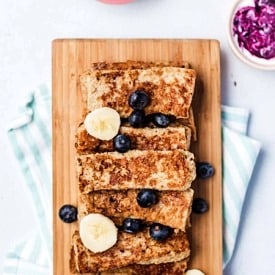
137,248
136,169
169,138
174,268
132,64
170,89
173,208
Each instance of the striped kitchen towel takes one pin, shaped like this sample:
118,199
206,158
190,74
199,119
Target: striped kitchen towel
240,153
30,136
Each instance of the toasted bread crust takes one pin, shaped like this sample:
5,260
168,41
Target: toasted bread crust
170,89
170,138
172,209
131,64
139,248
175,268
135,169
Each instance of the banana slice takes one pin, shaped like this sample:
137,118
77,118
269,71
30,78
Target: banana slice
194,272
97,232
103,123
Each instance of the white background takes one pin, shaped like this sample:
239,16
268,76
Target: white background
27,28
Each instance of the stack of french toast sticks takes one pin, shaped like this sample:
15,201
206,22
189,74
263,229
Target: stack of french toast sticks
134,194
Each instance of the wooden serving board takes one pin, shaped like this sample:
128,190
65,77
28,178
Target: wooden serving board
70,59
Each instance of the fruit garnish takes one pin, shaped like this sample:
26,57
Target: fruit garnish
68,213
132,225
122,143
194,272
199,206
97,232
102,123
147,198
204,170
137,119
160,120
138,100
160,232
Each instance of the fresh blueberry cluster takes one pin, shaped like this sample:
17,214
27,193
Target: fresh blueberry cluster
147,198
157,231
138,101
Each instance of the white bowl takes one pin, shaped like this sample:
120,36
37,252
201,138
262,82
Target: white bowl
243,54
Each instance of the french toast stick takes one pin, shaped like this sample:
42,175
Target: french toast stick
137,248
170,89
169,138
174,268
132,64
136,169
173,207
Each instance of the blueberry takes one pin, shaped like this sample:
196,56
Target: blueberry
137,119
204,170
68,213
147,198
200,206
160,232
160,120
138,100
132,225
122,143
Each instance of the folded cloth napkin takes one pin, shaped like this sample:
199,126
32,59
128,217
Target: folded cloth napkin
30,136
239,157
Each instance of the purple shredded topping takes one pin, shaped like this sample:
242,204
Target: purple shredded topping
255,28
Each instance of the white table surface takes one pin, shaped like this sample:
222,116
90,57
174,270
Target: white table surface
27,28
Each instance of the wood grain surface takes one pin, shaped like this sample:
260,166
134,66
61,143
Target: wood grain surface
70,58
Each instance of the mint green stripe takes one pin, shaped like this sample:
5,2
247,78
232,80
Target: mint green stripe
44,168
250,148
28,176
229,222
35,195
234,117
234,192
10,269
43,89
231,148
19,154
41,165
36,250
226,253
44,226
43,128
227,181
